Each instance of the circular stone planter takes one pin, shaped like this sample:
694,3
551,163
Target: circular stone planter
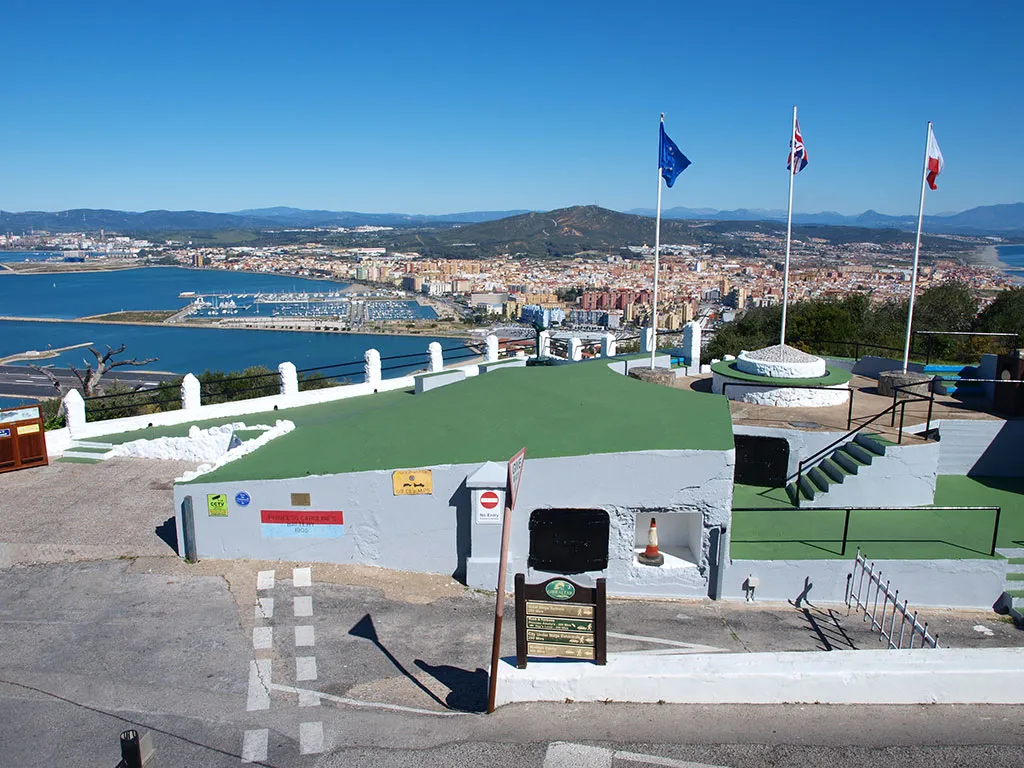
781,362
887,380
784,392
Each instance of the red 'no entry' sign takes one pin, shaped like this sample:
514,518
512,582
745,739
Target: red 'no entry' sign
488,500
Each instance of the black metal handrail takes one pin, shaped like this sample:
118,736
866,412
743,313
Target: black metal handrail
929,335
848,510
93,398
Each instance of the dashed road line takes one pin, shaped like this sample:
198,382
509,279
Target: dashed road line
311,738
265,580
303,606
305,668
264,608
259,685
302,577
562,754
254,745
262,638
304,636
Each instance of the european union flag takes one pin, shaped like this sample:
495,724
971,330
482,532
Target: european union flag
671,161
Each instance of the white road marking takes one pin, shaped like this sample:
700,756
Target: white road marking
357,703
983,630
304,606
692,647
259,685
254,745
305,668
304,636
561,754
265,580
311,738
302,577
309,699
265,608
262,638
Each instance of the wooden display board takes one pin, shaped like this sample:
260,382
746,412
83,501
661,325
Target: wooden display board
560,619
22,438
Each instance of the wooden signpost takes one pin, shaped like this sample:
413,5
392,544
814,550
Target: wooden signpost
561,619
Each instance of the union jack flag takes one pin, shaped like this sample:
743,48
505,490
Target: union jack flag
798,150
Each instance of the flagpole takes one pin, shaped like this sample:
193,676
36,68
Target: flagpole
789,228
657,250
917,251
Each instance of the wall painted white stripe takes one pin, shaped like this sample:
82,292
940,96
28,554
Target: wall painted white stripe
265,580
260,671
254,745
305,668
304,606
304,636
262,638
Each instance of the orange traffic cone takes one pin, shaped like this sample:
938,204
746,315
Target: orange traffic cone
651,555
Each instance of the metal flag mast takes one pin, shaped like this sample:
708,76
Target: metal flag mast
789,227
917,250
657,250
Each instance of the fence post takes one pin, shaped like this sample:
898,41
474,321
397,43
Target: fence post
436,358
575,349
289,379
371,368
188,530
544,344
191,394
74,411
492,348
646,340
608,345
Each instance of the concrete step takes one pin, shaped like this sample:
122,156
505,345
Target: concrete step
806,487
859,452
85,454
847,461
1016,577
91,444
793,492
835,471
1010,552
819,478
870,442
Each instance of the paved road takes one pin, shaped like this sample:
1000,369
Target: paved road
22,381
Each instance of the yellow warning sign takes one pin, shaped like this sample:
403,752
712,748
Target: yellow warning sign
217,504
411,482
28,429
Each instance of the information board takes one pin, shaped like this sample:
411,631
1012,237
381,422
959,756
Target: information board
22,438
560,619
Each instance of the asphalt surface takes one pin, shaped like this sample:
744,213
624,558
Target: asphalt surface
22,381
102,628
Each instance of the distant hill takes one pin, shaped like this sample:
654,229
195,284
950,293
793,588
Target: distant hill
983,220
299,217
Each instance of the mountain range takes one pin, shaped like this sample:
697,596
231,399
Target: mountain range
984,220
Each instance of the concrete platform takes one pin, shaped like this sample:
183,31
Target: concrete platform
929,676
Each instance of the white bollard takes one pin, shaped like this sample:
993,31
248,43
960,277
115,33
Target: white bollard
74,410
691,343
575,349
436,358
492,349
289,379
647,340
544,344
371,367
191,392
608,345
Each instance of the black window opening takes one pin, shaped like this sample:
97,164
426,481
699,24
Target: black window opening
761,460
568,540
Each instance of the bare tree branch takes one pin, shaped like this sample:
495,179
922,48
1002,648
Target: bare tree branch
48,374
133,361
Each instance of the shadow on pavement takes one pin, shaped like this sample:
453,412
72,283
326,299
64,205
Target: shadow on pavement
468,689
828,630
167,532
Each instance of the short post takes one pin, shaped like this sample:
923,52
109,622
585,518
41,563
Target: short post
436,358
608,345
188,530
73,406
646,340
371,368
544,344
849,413
995,532
691,343
492,348
846,532
575,349
289,379
191,392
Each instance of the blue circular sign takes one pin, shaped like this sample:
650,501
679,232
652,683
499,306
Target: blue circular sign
242,499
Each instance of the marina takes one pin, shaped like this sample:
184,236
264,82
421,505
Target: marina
352,310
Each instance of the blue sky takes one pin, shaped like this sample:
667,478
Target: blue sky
443,107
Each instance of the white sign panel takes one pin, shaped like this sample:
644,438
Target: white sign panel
489,507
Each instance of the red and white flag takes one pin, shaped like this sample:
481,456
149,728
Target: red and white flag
935,162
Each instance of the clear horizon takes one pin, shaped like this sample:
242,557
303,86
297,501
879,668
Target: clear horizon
406,108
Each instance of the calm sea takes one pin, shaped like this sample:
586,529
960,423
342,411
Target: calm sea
178,349
1013,257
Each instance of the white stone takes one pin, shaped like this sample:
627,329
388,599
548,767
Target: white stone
436,358
289,379
575,348
492,348
191,392
73,406
371,367
608,345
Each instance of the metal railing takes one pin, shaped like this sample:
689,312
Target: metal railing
849,510
929,335
870,607
166,397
